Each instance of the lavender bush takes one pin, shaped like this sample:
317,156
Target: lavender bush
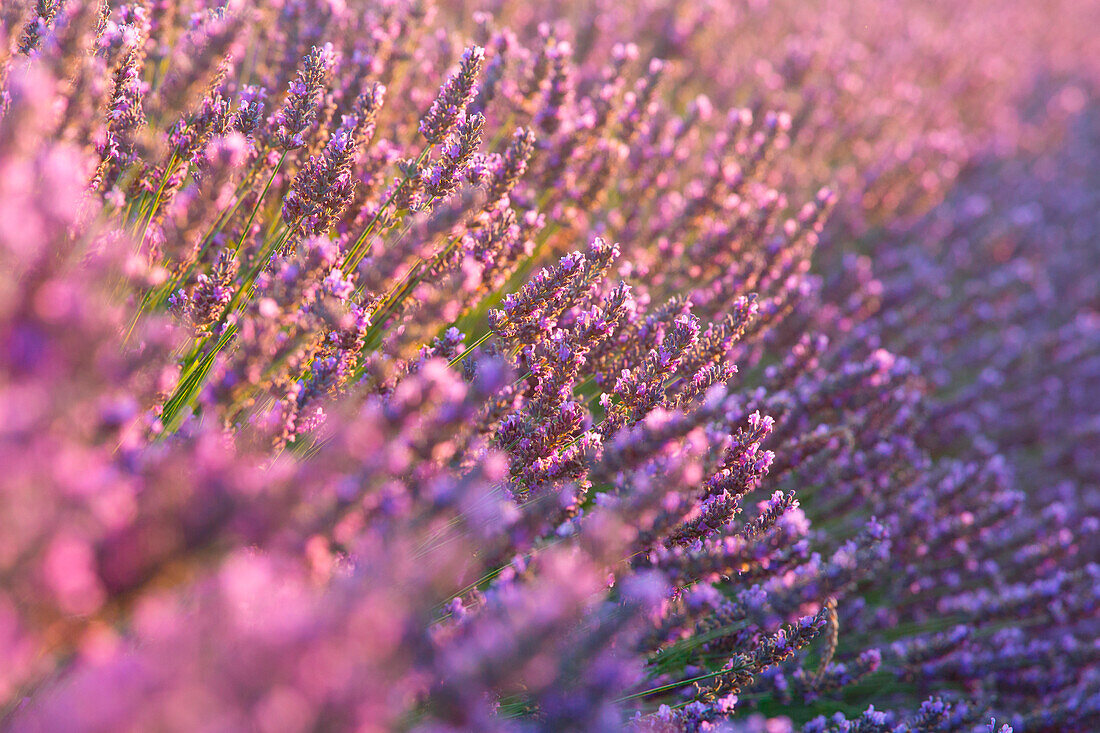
377,365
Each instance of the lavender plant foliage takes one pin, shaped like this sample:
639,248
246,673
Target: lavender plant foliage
588,366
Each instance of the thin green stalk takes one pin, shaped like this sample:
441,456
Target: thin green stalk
193,370
156,200
670,686
259,203
470,348
190,385
355,256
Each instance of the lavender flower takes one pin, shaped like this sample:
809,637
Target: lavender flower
442,178
303,94
453,98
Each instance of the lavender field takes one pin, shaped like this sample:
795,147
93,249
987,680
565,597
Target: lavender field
596,365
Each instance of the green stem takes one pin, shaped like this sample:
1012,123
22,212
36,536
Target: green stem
472,346
671,686
355,256
259,202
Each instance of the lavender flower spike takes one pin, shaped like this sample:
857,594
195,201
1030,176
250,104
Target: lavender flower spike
455,95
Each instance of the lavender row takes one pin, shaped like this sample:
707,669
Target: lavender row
372,366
